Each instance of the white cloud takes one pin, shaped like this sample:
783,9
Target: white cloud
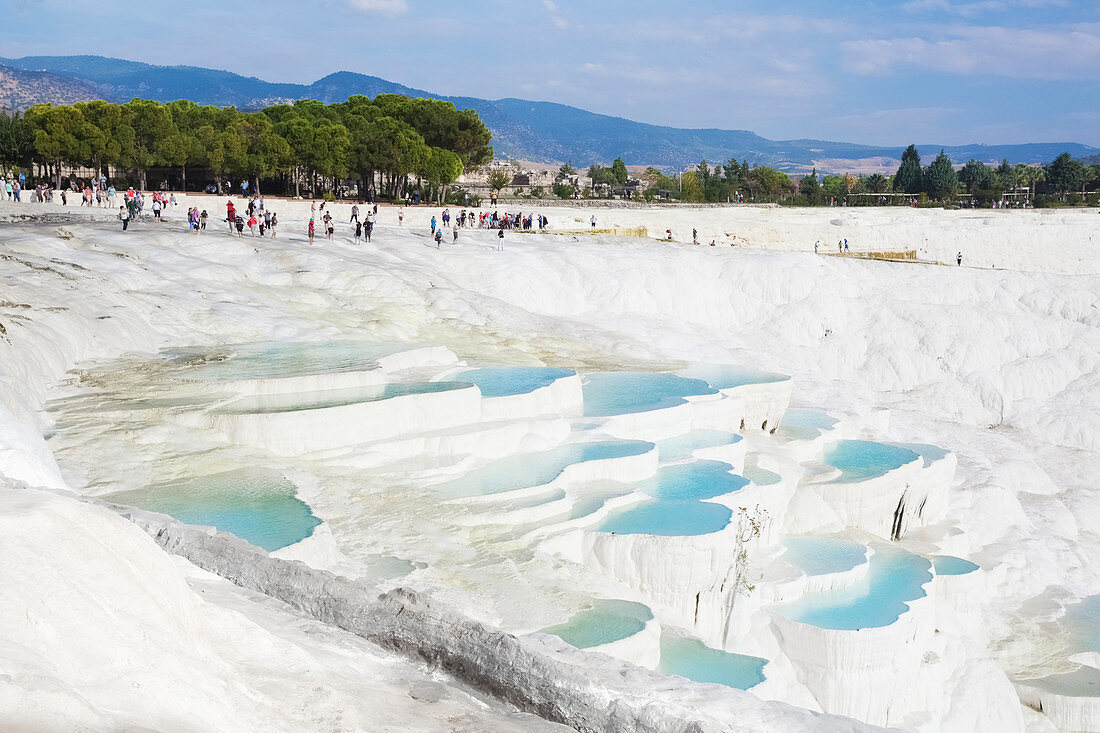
1062,53
385,7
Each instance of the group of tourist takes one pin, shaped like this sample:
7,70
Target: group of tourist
257,217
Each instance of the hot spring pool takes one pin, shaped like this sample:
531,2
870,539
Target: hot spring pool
728,376
677,508
605,623
257,506
269,404
824,556
699,663
801,423
620,393
860,460
878,599
950,565
508,381
681,447
536,469
276,360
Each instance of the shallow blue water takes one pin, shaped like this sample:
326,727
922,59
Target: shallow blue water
693,481
268,404
606,622
728,376
677,509
761,476
681,447
257,506
277,360
801,423
535,469
930,453
694,660
879,599
1083,622
669,519
949,565
507,381
823,555
621,393
860,460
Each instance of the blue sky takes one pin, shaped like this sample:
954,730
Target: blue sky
872,71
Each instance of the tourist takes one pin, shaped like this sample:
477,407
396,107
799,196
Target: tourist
500,240
401,216
438,237
156,204
695,236
433,224
369,228
202,220
815,246
358,230
329,228
593,221
454,231
240,225
274,223
230,214
311,230
355,217
124,217
959,259
252,224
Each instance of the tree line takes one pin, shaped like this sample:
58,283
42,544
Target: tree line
384,143
1062,179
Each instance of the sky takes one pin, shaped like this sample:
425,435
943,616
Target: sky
880,72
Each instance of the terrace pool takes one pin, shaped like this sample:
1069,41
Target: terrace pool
507,381
950,565
823,555
728,376
678,509
257,506
860,460
697,662
681,447
604,623
620,393
269,404
801,423
536,469
894,578
277,360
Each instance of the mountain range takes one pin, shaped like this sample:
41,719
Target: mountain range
542,132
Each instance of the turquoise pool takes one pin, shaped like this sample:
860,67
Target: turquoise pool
279,360
697,662
893,578
257,506
930,453
823,556
270,404
508,381
949,565
604,623
677,508
680,448
801,423
728,376
860,460
536,469
621,393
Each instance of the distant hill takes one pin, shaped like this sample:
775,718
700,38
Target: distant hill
20,89
538,131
